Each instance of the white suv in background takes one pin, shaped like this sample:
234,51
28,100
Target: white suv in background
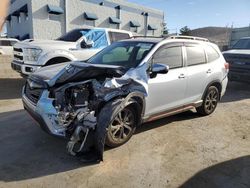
78,44
6,46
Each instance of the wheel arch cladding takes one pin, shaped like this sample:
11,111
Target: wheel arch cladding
139,104
107,115
215,83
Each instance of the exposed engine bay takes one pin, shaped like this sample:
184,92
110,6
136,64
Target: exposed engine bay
78,106
81,111
76,114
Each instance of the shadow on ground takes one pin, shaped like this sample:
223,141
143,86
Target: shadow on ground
236,91
11,88
229,174
27,152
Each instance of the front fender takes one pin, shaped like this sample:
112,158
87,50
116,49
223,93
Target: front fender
106,115
54,54
135,97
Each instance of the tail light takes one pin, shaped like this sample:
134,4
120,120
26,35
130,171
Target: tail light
226,66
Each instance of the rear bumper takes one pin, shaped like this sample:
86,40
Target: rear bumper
243,76
24,69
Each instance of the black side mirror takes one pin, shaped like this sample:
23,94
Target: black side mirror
158,69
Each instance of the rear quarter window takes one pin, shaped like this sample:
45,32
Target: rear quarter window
212,54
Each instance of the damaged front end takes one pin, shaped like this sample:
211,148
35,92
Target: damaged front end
78,101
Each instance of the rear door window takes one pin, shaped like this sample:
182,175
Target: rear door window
116,36
195,55
171,56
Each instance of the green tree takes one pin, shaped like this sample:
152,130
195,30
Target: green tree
165,29
185,31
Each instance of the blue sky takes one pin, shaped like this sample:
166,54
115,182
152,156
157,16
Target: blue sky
201,13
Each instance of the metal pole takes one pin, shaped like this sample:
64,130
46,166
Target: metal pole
146,24
66,15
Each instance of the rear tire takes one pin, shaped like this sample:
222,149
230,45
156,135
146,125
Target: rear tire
122,128
210,101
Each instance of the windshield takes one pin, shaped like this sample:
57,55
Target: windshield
73,35
242,44
126,54
98,36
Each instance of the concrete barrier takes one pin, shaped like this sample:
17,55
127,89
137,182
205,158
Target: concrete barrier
5,68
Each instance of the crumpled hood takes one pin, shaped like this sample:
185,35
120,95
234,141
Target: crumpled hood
75,71
48,72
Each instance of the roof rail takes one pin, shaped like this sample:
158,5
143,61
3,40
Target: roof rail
188,37
172,37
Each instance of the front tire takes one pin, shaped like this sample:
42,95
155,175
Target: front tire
122,127
210,101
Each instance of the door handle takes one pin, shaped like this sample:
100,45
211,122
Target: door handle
209,71
181,76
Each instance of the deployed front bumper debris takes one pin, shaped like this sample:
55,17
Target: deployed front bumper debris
81,111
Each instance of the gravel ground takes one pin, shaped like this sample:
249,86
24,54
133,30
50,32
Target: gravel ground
185,150
5,67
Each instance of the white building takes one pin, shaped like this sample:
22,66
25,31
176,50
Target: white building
49,19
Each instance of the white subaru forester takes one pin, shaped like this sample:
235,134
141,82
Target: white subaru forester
103,100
